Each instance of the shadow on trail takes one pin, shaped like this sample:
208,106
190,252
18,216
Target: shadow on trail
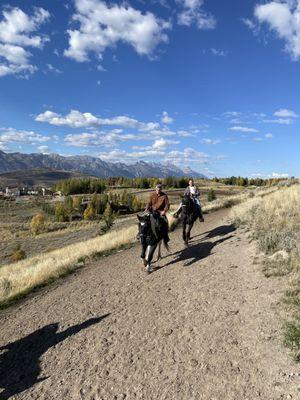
196,252
20,364
219,231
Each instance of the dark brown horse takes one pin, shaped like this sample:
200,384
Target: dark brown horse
153,230
190,211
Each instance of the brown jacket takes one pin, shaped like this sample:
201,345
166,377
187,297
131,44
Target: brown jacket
158,202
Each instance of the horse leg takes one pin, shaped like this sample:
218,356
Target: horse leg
189,231
143,254
159,251
149,255
184,234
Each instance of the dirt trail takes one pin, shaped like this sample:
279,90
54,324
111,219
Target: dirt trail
205,326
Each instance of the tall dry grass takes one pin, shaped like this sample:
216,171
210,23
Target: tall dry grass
275,223
21,277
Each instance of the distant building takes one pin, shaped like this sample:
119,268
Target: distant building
12,192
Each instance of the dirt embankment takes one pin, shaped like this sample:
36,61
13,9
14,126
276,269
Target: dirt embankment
205,325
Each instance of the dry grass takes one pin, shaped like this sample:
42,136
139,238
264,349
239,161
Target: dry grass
230,201
275,223
19,278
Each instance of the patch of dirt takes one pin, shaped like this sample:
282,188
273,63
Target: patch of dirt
205,325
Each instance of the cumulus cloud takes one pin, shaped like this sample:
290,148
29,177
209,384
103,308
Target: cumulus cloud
103,139
161,144
268,136
282,17
192,13
53,69
16,34
243,129
166,119
210,141
118,155
186,156
43,149
102,26
77,119
280,121
285,113
11,135
279,175
218,52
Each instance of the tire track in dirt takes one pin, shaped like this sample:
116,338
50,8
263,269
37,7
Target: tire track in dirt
206,325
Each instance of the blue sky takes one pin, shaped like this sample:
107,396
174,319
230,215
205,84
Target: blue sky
208,84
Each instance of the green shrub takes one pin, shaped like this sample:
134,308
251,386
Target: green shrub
108,218
211,195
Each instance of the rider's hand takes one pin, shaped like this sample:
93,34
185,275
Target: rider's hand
163,213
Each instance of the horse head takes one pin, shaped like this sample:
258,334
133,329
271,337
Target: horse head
144,225
186,201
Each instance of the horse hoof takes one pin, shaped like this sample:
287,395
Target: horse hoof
148,269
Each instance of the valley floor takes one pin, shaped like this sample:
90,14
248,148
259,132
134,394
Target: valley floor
205,325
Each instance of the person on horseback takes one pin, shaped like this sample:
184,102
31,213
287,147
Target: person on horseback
194,193
159,205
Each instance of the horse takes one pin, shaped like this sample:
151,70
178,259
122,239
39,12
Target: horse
152,232
190,212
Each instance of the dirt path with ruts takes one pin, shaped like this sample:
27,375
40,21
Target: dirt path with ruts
204,326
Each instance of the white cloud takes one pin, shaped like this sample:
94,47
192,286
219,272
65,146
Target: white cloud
187,156
162,144
16,33
250,24
231,114
103,139
118,155
51,68
243,129
210,141
183,157
11,135
281,121
285,113
102,26
279,175
283,18
268,136
193,13
77,119
166,119
183,133
43,149
218,52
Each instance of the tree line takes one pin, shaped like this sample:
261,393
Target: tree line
242,181
95,185
95,206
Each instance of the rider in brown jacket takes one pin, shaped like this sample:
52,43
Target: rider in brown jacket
159,203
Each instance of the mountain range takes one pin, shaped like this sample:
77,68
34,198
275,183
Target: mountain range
91,166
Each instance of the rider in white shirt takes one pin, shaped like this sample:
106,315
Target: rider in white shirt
193,191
